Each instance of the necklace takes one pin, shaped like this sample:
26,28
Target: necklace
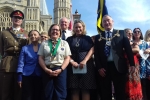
77,42
109,39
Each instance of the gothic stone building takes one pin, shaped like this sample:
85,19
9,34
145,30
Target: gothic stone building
35,11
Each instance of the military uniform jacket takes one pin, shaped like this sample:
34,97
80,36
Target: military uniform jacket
10,47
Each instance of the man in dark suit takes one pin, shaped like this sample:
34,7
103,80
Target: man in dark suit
111,46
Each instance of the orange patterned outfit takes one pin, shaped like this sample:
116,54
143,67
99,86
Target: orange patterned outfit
133,84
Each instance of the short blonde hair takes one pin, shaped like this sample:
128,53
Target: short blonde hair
146,37
44,33
83,25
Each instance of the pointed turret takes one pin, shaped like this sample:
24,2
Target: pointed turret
43,7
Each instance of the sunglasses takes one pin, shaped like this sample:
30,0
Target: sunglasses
137,31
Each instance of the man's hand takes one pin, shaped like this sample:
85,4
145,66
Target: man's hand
148,77
102,72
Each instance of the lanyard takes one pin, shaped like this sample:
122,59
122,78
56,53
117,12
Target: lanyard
53,50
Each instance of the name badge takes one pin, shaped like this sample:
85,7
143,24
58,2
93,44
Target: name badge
62,49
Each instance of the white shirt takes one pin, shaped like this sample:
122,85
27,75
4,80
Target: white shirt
111,31
62,52
68,33
16,29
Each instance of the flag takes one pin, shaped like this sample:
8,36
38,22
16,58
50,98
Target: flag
71,18
101,11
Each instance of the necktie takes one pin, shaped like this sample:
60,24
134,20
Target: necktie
107,47
63,35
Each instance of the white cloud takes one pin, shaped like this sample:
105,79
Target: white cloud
126,13
130,10
92,32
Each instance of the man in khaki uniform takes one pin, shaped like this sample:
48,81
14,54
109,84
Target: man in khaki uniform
11,42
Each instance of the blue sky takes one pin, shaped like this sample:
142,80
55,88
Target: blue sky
125,13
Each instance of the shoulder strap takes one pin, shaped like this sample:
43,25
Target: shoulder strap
14,36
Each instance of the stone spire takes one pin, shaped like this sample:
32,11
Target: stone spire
43,7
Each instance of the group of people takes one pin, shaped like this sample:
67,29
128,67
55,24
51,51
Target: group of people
65,65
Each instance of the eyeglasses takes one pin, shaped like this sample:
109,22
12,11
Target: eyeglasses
55,30
137,31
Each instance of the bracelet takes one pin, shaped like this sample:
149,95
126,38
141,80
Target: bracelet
71,60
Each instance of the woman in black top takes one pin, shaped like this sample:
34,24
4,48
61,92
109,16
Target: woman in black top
81,47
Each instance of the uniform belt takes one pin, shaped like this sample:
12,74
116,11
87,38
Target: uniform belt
51,66
12,54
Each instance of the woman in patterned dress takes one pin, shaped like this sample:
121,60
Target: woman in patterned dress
133,84
144,69
147,39
81,47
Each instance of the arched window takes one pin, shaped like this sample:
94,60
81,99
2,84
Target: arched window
5,18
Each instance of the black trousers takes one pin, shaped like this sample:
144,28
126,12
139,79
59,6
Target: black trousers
148,89
105,83
9,88
31,88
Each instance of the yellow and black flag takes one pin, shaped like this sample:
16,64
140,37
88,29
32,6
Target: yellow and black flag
101,11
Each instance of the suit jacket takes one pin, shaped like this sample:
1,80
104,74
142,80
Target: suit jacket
10,46
28,61
120,47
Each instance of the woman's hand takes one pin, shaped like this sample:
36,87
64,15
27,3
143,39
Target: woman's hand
57,72
74,64
147,51
82,64
50,72
20,84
